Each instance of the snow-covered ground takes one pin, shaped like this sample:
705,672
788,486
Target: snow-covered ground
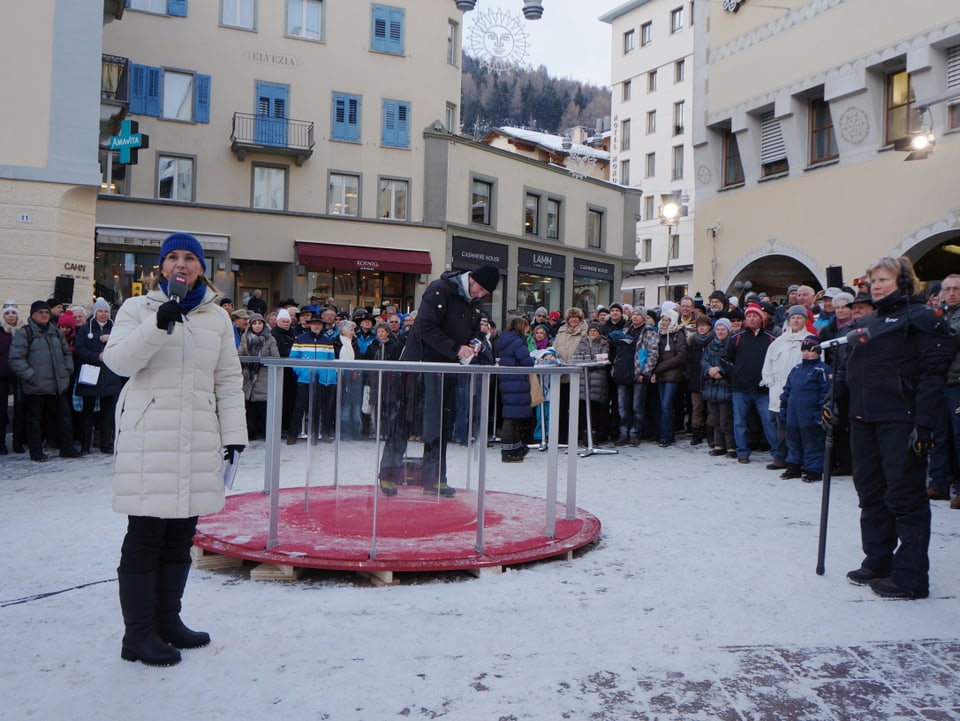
699,601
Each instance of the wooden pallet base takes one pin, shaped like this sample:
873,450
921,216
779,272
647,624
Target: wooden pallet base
207,560
275,572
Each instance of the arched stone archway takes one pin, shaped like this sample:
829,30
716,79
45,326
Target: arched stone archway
773,271
935,248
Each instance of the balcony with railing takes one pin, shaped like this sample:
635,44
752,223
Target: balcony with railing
114,89
273,136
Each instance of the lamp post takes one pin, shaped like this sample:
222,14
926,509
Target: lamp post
532,9
670,217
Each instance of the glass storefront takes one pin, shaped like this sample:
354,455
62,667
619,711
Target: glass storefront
592,284
119,275
534,291
540,279
359,289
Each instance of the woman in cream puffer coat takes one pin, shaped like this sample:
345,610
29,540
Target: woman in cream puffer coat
182,405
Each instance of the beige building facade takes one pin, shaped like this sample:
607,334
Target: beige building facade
652,79
312,147
48,151
800,110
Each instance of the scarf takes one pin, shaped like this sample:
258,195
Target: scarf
192,299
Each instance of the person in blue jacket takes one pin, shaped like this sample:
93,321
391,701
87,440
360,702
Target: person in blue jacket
315,345
804,394
514,389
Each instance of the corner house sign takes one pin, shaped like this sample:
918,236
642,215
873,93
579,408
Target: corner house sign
538,262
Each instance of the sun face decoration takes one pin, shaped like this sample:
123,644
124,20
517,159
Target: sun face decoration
498,40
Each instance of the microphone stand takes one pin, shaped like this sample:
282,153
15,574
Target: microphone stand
827,463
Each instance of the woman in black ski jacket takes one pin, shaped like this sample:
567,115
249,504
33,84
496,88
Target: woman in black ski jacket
895,383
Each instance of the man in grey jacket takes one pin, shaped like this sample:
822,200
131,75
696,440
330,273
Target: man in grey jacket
41,358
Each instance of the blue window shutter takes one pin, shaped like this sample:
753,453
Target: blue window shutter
137,92
178,8
403,125
152,105
201,98
395,31
389,123
387,30
346,117
353,118
339,117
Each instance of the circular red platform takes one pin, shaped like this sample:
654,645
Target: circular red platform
414,532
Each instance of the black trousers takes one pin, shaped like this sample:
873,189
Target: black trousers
894,508
152,541
58,406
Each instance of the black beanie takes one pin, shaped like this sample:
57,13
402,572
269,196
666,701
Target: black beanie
488,276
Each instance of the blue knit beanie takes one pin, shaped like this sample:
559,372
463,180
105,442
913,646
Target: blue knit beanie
183,241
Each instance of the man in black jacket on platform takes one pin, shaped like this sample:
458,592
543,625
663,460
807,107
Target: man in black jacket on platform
448,321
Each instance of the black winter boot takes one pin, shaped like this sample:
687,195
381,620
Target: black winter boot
697,436
140,639
171,579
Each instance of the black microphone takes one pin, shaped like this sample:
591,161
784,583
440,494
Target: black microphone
176,289
858,336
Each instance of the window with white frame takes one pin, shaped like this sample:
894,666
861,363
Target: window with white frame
676,19
651,81
481,202
651,122
453,43
594,228
646,249
553,219
646,34
177,95
239,14
649,212
627,89
175,178
650,165
629,41
531,214
676,172
624,172
674,246
343,195
305,19
450,118
392,199
158,7
269,187
679,70
678,121
625,134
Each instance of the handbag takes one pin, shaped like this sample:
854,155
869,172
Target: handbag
717,390
536,391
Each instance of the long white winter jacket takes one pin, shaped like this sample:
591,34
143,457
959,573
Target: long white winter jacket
182,404
782,355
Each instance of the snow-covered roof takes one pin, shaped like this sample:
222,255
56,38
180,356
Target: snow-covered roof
553,143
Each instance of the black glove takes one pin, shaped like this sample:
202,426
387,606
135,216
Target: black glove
921,441
232,453
169,312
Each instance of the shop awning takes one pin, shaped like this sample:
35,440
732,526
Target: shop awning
362,258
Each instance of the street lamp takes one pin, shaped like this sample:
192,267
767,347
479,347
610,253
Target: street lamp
670,213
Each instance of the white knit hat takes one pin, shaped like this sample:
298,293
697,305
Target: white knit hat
282,314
